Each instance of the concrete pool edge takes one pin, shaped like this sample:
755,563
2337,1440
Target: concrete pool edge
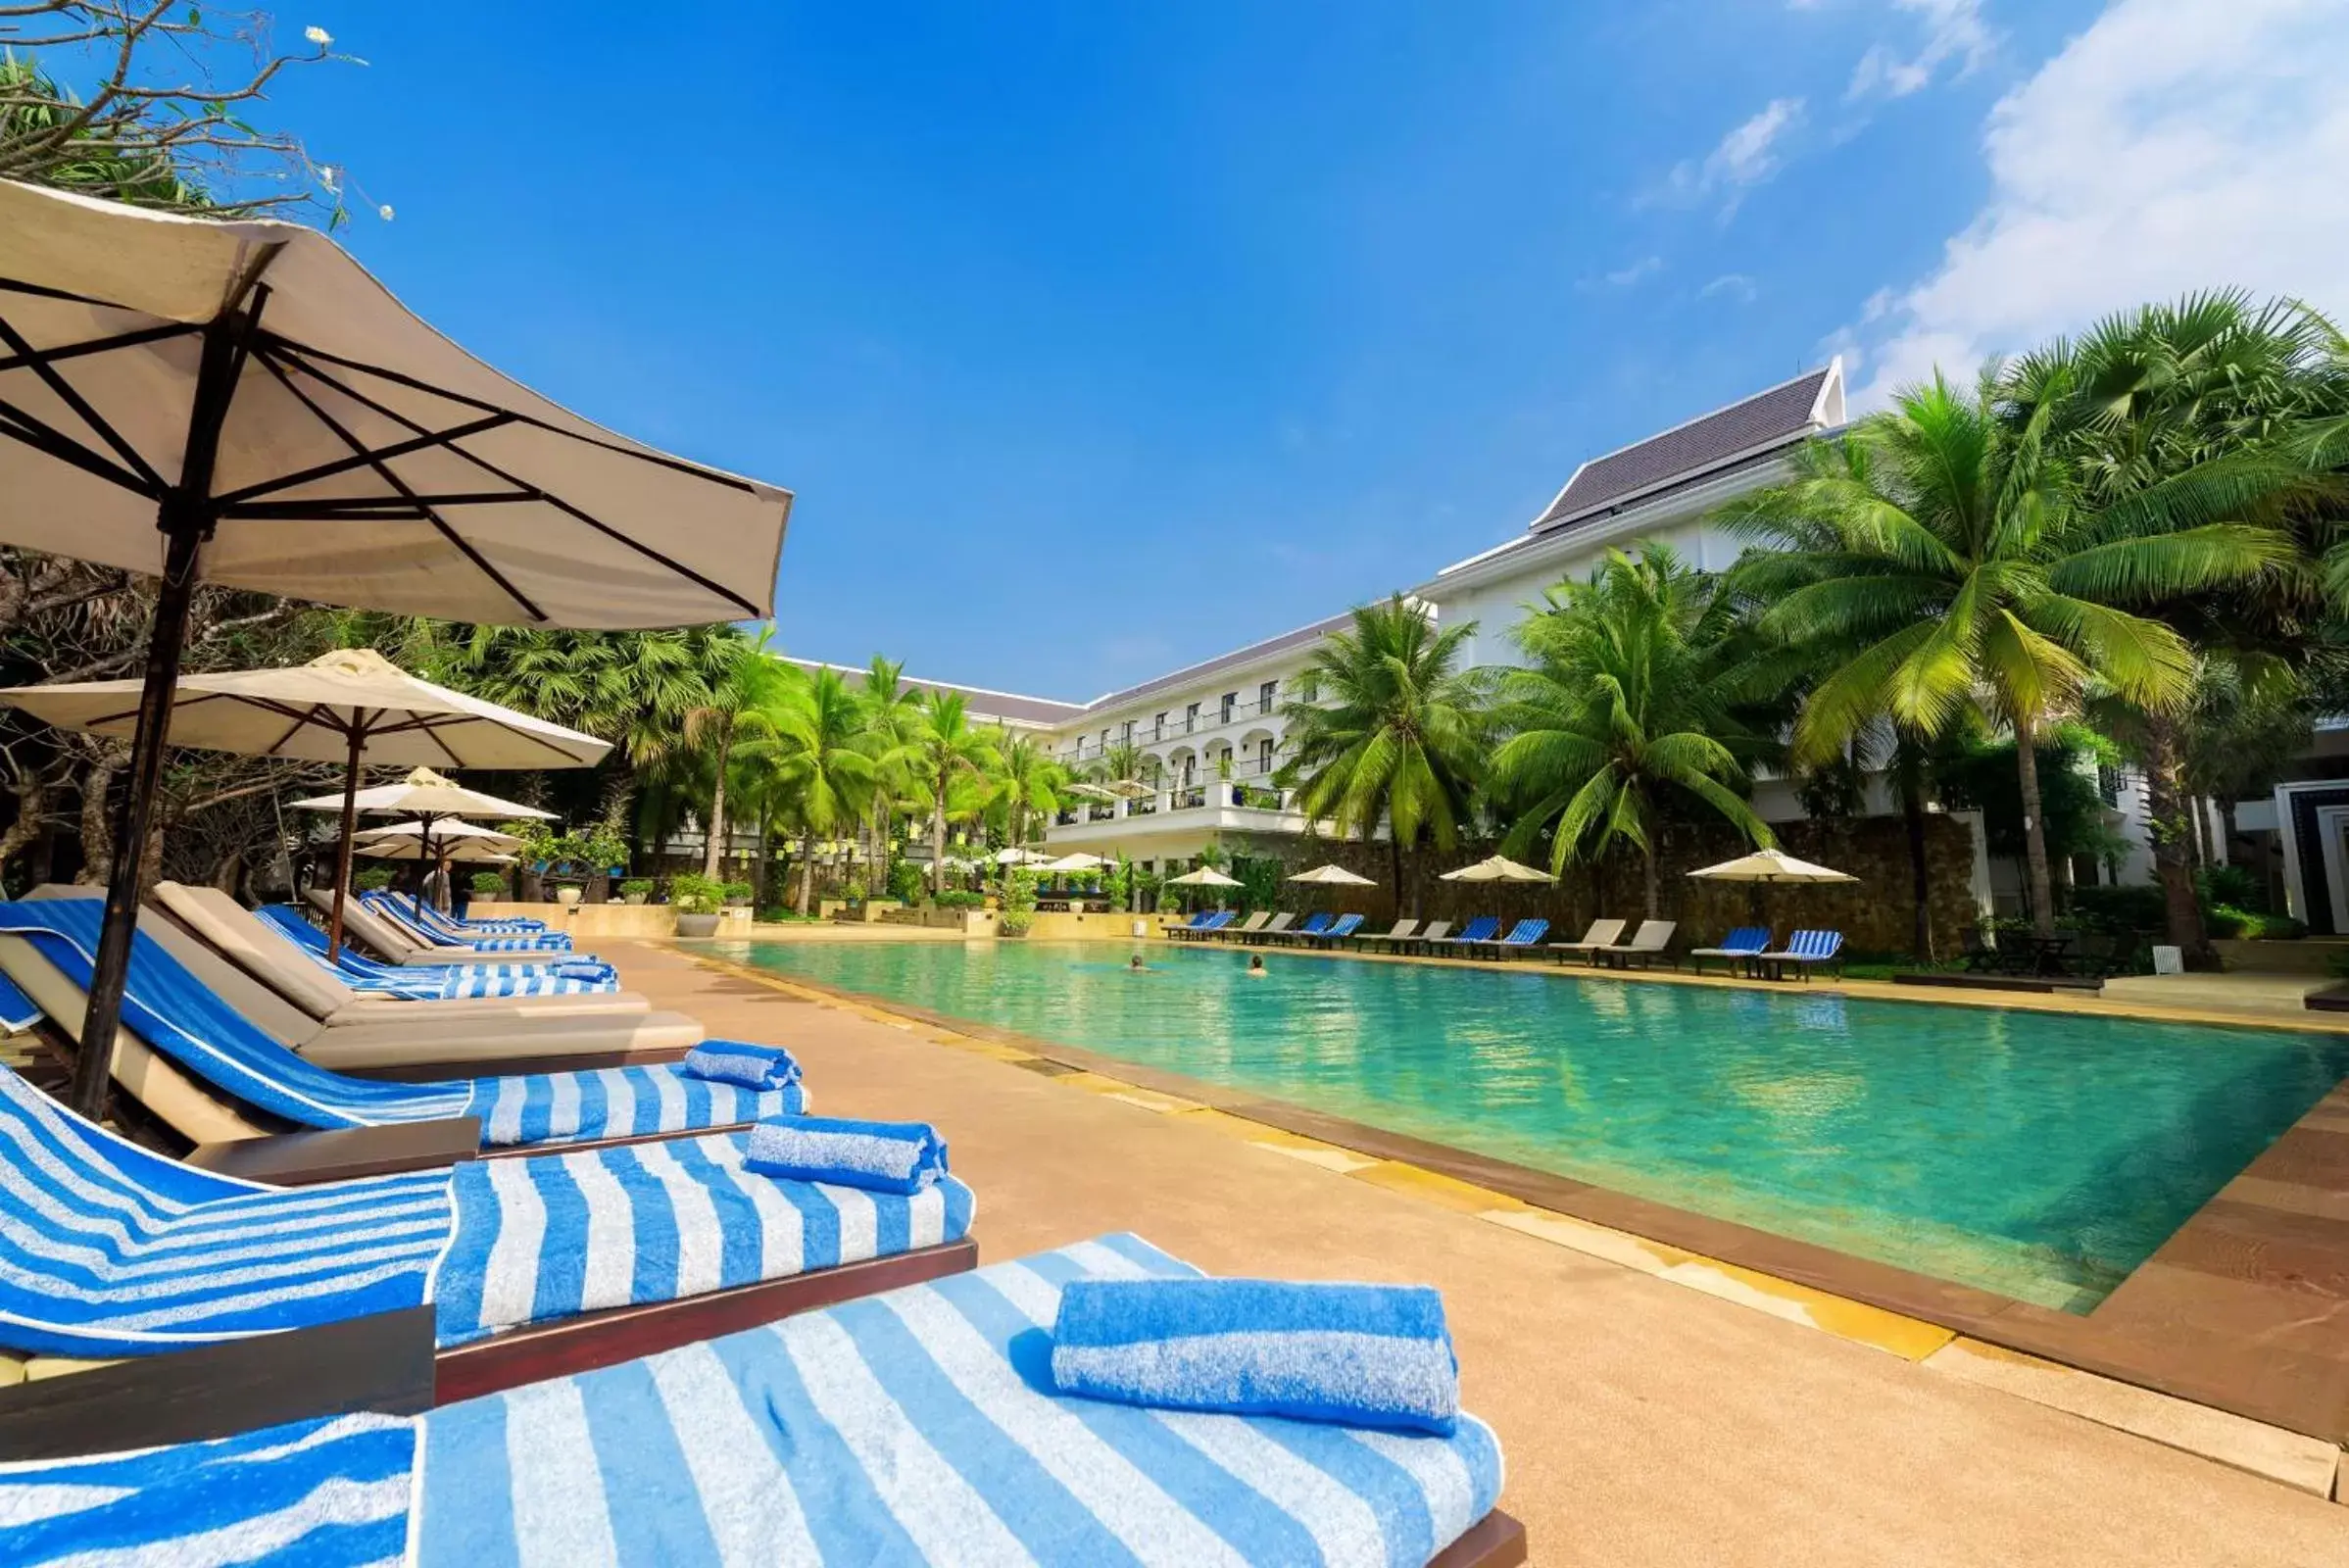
2244,1383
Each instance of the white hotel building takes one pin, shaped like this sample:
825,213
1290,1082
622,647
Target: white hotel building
1210,734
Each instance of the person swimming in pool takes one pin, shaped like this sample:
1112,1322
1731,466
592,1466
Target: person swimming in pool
1135,965
1255,963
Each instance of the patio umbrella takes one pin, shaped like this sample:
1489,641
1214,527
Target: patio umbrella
1079,861
352,705
1021,857
469,849
1090,792
1764,867
441,833
1207,876
1497,868
1332,875
239,401
423,793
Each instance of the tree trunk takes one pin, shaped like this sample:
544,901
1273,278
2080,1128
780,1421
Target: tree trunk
807,871
2034,834
2169,832
1394,862
766,830
1648,872
97,829
716,847
938,840
1912,809
32,819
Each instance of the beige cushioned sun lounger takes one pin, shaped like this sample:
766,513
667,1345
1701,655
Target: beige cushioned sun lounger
395,945
418,1034
270,957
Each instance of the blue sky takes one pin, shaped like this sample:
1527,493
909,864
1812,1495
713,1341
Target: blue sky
1096,339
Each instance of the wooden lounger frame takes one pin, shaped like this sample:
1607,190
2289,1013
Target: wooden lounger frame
387,1363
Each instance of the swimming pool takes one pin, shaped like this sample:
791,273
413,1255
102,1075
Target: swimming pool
2034,1154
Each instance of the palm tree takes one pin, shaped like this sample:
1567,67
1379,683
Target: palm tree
812,747
2166,413
1027,784
1625,705
947,753
1384,726
1941,560
892,718
742,699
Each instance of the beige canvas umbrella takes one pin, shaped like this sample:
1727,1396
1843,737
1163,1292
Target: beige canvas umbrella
1011,856
423,793
441,832
1332,875
1497,868
1765,868
238,401
1089,792
352,705
1207,876
1079,861
436,849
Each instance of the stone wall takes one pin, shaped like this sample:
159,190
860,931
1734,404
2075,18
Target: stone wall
1874,914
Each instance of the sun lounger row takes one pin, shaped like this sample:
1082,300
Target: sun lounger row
506,1346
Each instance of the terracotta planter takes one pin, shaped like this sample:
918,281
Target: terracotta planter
696,925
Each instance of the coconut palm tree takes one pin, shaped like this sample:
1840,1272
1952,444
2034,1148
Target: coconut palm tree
2166,413
811,744
1625,705
1026,784
743,698
1384,726
892,718
1944,560
949,755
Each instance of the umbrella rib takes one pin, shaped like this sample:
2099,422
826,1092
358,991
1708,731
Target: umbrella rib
15,423
551,500
384,472
364,459
102,345
298,350
366,508
435,721
133,712
71,396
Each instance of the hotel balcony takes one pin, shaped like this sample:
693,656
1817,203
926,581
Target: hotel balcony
1214,806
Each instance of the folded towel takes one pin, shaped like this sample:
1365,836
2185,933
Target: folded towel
882,1157
1371,1355
730,1062
583,969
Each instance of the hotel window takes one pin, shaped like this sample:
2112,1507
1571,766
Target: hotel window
1191,718
1231,700
1189,771
1125,733
1264,696
1265,754
1158,728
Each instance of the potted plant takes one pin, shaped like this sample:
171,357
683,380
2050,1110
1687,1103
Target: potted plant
373,879
487,884
737,895
636,890
697,900
1019,904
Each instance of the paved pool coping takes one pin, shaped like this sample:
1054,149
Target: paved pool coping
2244,1310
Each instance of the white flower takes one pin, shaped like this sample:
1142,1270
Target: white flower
384,212
326,175
318,35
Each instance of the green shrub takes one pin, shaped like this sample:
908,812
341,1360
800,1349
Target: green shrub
905,881
957,899
487,884
374,879
1019,904
696,894
2225,921
637,887
2121,909
735,891
2231,885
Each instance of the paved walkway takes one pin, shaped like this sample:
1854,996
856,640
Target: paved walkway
1644,1422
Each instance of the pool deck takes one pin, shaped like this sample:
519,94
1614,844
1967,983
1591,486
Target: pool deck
1650,1411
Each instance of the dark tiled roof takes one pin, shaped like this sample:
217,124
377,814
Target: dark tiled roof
982,702
1242,655
1686,450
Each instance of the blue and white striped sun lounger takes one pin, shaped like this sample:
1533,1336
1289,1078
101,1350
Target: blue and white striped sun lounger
174,1014
1804,951
563,977
917,1426
503,925
1524,934
399,912
1742,946
109,1249
1479,929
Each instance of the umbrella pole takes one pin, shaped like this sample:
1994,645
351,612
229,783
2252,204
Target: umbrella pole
184,517
111,967
343,851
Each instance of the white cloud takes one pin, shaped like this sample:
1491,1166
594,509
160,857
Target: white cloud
1625,276
1748,156
2175,146
1954,32
1736,285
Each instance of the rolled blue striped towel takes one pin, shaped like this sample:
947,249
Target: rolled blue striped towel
584,969
731,1062
882,1157
1370,1355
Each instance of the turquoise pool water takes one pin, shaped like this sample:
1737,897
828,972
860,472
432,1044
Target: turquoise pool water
2029,1153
